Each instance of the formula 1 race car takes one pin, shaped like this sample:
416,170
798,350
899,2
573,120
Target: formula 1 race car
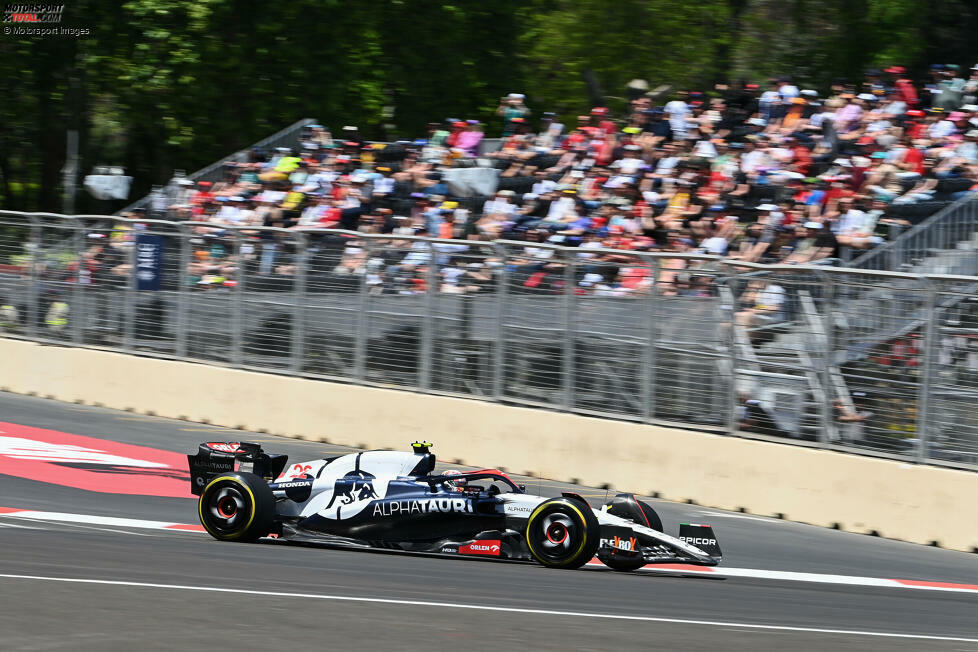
393,500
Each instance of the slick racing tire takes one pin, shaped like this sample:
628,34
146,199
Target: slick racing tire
562,533
237,507
623,565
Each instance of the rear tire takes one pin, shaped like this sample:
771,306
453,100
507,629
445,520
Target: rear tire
237,507
562,533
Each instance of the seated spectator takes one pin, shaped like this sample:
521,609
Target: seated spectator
813,243
763,303
780,176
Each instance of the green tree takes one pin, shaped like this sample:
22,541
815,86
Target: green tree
663,41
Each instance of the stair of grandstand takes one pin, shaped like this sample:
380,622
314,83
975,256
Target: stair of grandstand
952,229
287,137
961,261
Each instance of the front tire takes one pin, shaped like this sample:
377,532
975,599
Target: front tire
623,565
237,507
562,533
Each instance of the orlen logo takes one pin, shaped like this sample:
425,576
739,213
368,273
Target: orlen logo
222,447
698,541
487,547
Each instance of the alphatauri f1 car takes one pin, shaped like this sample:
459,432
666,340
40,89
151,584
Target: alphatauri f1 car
394,500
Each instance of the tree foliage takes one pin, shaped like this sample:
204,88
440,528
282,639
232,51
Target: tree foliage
163,84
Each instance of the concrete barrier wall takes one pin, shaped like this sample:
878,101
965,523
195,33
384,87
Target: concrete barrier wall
860,494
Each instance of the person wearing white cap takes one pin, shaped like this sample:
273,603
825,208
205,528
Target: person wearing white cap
763,303
511,107
854,226
590,279
229,212
968,149
971,88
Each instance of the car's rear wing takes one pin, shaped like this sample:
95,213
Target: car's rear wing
216,457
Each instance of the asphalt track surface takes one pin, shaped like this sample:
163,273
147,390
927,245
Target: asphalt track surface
76,586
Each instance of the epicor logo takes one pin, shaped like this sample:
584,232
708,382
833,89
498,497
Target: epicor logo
698,541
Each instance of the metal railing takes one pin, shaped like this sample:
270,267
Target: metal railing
287,137
950,233
863,361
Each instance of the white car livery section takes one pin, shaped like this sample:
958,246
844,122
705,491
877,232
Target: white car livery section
522,505
375,468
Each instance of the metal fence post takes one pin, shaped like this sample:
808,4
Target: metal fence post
648,375
237,299
923,387
427,320
730,312
183,293
360,343
568,348
77,314
896,247
129,306
828,430
499,355
34,283
298,349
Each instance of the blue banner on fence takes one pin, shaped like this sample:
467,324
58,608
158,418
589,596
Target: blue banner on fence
149,261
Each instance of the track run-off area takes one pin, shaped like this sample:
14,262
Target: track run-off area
100,549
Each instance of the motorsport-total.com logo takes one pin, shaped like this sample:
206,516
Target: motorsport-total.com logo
38,20
32,13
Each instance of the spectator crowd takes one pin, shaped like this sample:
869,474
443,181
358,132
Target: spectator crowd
768,173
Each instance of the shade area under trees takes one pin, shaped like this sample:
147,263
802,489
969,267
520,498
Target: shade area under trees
159,84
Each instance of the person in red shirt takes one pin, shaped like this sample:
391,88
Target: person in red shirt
600,113
802,162
903,86
575,139
915,126
457,128
912,160
837,189
592,132
203,194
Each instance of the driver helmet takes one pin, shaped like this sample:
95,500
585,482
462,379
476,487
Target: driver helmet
454,485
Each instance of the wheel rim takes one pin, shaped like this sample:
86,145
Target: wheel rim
557,536
556,530
226,509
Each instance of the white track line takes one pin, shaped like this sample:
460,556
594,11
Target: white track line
822,578
671,569
518,610
111,521
50,524
19,527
